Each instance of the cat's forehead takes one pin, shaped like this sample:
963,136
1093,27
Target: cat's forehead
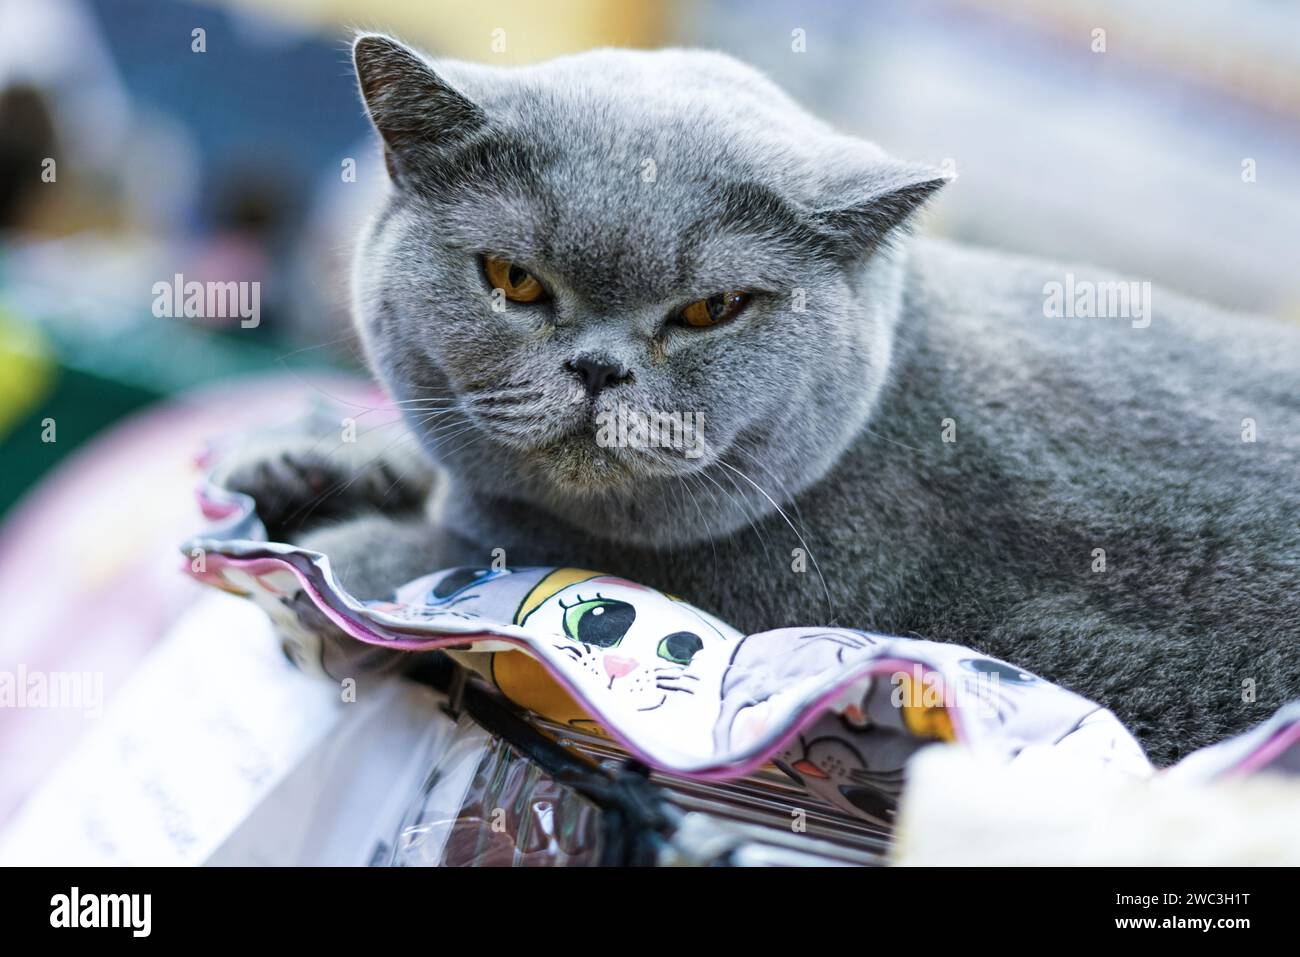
633,176
671,76
619,106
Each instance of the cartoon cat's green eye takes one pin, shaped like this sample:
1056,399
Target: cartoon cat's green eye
680,647
601,621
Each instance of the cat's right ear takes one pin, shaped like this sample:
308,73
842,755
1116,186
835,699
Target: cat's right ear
417,113
875,201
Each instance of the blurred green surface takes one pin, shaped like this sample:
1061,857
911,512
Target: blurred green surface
87,380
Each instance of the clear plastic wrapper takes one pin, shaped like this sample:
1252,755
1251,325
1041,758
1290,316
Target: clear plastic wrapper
484,804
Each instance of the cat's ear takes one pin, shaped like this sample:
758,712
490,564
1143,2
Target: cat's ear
874,204
417,113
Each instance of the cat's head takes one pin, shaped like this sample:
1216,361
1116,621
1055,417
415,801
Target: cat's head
600,277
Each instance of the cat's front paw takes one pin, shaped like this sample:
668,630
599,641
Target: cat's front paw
298,484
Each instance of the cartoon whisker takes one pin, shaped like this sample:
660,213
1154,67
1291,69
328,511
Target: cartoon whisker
653,707
677,673
863,776
851,642
992,698
985,692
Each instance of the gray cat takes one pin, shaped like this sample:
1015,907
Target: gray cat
878,431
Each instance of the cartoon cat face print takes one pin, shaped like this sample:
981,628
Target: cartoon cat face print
647,651
831,760
994,686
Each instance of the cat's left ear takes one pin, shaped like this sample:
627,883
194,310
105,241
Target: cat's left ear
417,113
877,202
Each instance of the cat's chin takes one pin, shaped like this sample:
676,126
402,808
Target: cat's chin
580,469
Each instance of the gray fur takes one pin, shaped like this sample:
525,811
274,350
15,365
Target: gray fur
1071,434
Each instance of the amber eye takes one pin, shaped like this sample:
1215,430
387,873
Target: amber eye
517,283
715,309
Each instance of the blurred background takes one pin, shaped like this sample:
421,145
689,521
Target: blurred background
1167,147
224,141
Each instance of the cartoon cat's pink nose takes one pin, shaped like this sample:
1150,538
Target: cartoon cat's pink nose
617,667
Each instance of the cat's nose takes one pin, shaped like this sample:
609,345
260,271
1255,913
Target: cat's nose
617,667
597,372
